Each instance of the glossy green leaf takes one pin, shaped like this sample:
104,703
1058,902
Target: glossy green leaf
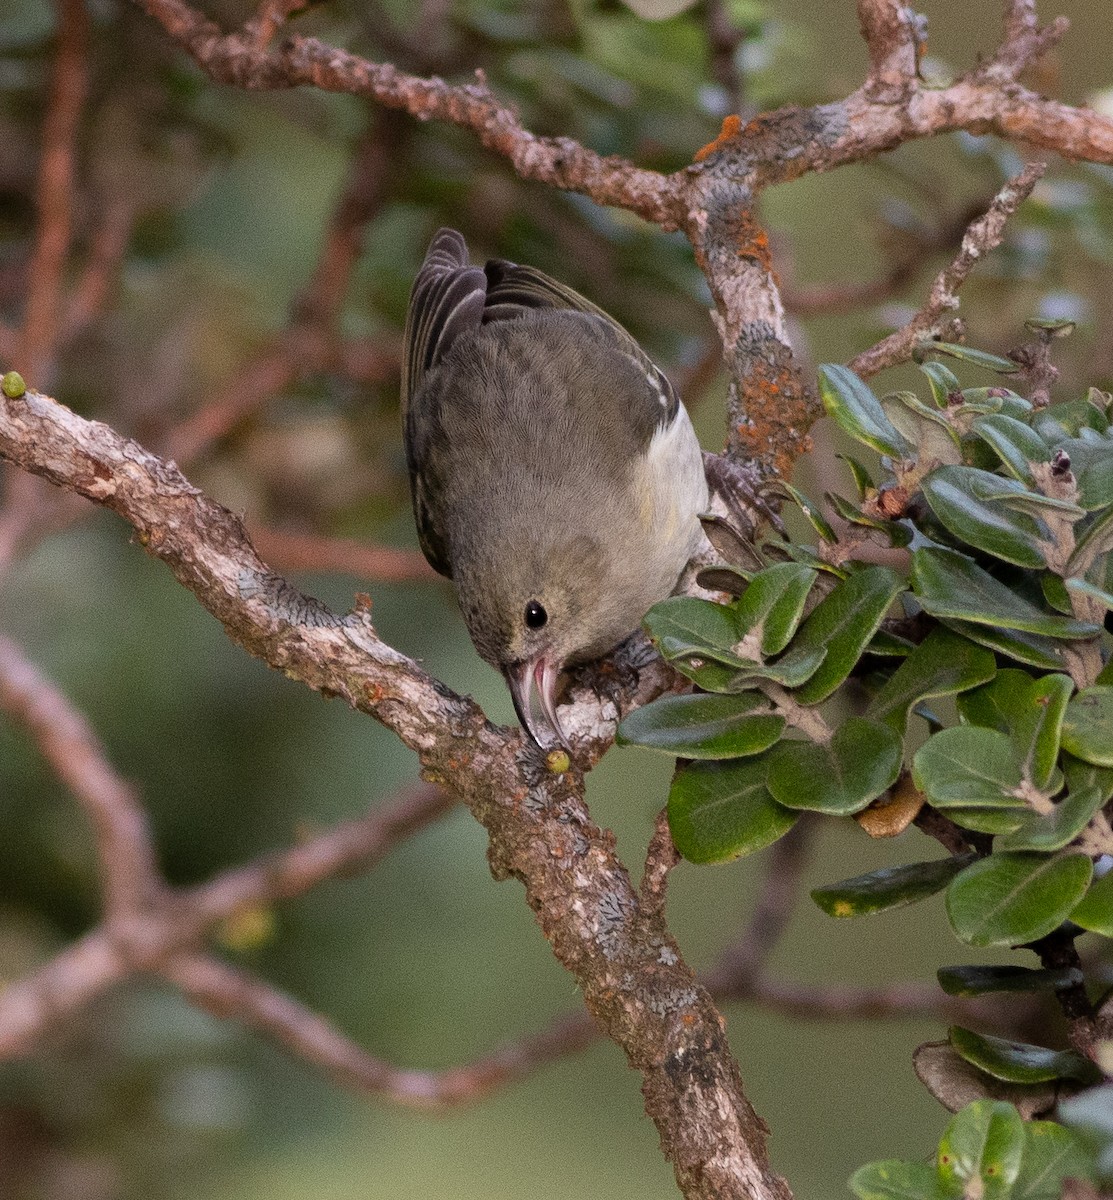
988,820
997,399
978,981
924,427
894,1180
858,411
685,624
721,810
1091,462
704,726
814,517
1009,899
980,1152
862,759
1031,648
773,604
1052,1155
1052,831
1095,912
1081,775
969,767
1041,730
949,584
943,664
1020,1062
863,480
1068,420
1093,541
979,358
958,497
1014,443
843,624
890,887
943,382
1055,593
1002,704
1090,1115
1088,726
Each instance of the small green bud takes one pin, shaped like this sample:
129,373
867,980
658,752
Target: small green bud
12,385
558,761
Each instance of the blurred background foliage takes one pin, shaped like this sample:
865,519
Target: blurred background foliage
223,197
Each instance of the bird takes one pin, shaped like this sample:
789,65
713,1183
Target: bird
555,475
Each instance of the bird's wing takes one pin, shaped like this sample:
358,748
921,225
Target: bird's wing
513,290
447,300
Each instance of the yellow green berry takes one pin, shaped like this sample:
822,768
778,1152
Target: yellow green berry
12,385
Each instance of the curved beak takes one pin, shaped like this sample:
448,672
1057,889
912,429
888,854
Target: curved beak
520,678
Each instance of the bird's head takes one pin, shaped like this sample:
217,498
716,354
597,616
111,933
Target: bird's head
532,609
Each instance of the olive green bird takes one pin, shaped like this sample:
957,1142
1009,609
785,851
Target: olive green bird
555,475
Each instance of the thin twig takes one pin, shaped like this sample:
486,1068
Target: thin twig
983,235
64,738
54,194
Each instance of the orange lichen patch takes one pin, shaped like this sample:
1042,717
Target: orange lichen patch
732,127
892,814
777,412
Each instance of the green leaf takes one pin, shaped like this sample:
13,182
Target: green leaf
943,382
1060,421
980,1152
863,480
977,981
969,767
684,625
1031,648
843,624
1052,831
815,518
894,1180
721,810
965,501
943,664
988,820
1088,726
890,887
1014,443
704,726
949,584
1090,1114
1095,540
773,604
1041,730
862,759
994,362
1020,1062
1009,899
858,411
1052,1154
923,427
1081,775
1091,462
1095,912
1055,593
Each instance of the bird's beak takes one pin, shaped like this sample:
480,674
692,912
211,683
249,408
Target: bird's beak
521,677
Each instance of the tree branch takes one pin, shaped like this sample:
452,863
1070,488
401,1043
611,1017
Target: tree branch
634,980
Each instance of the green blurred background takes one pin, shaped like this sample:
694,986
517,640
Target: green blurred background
426,960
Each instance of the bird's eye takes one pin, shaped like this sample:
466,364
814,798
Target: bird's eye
536,616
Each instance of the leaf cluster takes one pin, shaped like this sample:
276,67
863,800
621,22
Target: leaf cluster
965,681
